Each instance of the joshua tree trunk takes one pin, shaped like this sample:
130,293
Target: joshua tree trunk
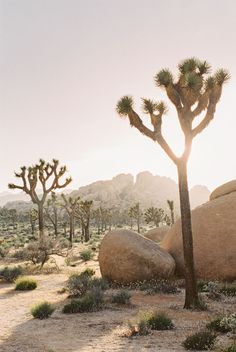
138,224
86,233
71,230
191,297
41,221
55,221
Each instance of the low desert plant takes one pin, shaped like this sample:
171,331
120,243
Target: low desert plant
10,274
86,255
25,284
90,302
79,284
215,325
228,289
231,348
121,297
157,320
42,310
200,341
159,286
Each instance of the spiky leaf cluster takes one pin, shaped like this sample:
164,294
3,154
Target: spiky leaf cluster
124,105
150,107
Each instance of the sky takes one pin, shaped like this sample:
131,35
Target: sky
64,64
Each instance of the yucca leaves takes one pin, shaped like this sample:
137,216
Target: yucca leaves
193,81
188,65
221,76
149,106
124,105
209,83
163,78
204,67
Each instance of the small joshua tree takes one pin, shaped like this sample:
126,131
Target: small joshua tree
47,176
33,215
136,213
171,207
192,93
83,213
71,204
51,210
154,215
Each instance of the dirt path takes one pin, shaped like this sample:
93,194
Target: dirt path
89,332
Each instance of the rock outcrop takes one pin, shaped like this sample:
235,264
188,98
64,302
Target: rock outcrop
126,256
214,237
224,189
157,234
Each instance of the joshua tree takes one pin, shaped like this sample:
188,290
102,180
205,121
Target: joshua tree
83,213
33,215
70,205
44,175
154,215
136,213
171,207
192,94
51,210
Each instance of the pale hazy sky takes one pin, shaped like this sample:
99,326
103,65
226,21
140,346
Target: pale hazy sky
65,63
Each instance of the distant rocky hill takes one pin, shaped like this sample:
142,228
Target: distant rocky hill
123,191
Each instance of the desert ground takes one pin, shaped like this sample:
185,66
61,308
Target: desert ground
97,331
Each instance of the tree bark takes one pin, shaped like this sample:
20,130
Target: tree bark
191,294
41,221
71,230
86,233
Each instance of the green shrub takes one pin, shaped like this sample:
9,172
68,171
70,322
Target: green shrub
88,271
90,302
228,289
42,310
159,286
79,284
25,284
158,320
201,341
215,325
11,274
231,348
121,297
86,255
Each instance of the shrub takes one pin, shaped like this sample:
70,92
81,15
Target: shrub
79,284
159,286
140,328
25,284
158,320
88,271
215,325
231,348
228,289
90,302
86,255
121,297
42,310
11,274
202,286
202,341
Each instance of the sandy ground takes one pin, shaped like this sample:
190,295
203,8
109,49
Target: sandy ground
99,331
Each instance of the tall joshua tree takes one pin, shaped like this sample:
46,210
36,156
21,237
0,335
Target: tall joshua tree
71,205
136,213
154,215
84,214
47,177
171,207
194,92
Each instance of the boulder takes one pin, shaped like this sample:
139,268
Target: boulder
224,189
214,239
126,256
157,234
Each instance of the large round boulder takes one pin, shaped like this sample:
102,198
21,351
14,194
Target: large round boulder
157,234
224,189
214,239
126,256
